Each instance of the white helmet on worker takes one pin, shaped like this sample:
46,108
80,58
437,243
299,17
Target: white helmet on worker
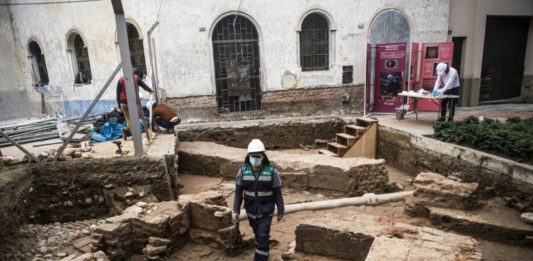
256,146
441,67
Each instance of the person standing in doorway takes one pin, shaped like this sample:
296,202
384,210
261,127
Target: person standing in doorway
447,83
258,181
122,99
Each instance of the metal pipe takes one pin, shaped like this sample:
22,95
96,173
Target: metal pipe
367,199
40,138
80,122
30,156
131,91
154,83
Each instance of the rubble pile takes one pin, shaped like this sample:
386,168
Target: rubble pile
47,242
153,227
156,229
97,256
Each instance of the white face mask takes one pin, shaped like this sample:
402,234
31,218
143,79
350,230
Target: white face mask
255,162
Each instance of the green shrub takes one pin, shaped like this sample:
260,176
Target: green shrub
513,139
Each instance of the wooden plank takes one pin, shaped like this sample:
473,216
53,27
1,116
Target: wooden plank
346,139
354,130
366,145
327,152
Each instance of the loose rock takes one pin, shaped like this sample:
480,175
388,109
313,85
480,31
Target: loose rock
527,217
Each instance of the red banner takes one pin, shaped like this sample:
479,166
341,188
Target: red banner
432,54
367,85
389,77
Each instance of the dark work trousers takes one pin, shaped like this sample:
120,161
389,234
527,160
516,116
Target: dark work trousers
165,124
261,227
449,101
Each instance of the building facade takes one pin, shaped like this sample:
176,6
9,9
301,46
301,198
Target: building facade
494,49
215,59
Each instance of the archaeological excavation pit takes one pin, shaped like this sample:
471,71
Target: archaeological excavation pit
175,207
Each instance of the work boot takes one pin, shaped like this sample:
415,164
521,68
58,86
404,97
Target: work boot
124,134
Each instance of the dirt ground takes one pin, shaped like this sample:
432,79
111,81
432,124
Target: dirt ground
282,233
161,144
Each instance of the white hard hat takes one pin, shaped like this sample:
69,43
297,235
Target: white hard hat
441,67
256,146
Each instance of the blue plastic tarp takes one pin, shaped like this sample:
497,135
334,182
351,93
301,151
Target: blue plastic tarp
110,131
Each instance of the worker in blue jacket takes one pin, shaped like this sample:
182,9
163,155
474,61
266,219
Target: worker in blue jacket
259,183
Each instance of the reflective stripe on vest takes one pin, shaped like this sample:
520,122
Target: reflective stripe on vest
261,178
259,193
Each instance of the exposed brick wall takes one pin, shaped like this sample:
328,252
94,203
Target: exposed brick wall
312,101
204,101
283,103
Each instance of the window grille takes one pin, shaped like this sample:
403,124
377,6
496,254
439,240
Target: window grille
347,74
314,43
82,58
136,48
37,56
236,57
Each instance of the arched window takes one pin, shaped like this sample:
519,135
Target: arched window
314,43
136,48
237,65
389,26
38,63
80,59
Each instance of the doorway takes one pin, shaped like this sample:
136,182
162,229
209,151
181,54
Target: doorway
503,57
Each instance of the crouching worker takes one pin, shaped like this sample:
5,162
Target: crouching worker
164,116
259,183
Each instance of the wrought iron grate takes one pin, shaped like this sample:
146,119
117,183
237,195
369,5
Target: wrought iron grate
82,58
37,54
136,48
314,43
237,73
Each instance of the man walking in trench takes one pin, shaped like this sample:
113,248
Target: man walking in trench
260,184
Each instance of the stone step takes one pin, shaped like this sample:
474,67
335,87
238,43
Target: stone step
327,152
354,130
346,139
337,148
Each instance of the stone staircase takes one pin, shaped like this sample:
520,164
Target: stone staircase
357,140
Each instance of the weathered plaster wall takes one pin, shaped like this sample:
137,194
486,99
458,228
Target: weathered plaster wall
183,39
468,18
13,97
50,26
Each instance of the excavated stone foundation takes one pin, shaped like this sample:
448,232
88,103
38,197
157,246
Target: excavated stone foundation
364,237
350,176
80,189
130,207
